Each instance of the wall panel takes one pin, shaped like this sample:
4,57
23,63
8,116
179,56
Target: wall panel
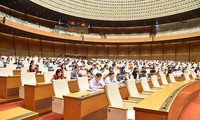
182,51
169,51
157,51
81,49
92,51
134,52
6,44
59,48
34,47
47,49
113,51
195,51
70,49
102,51
21,46
123,51
145,52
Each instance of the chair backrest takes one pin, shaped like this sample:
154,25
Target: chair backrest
28,78
48,76
113,95
67,74
154,80
11,66
83,83
172,79
83,72
60,87
6,72
186,75
132,89
24,70
164,79
194,76
95,71
144,84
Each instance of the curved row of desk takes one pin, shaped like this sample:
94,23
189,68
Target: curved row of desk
165,104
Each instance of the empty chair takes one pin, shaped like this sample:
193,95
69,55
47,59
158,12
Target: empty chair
172,79
164,79
48,76
67,74
154,80
83,83
145,86
60,88
26,78
6,72
133,91
118,109
194,76
186,76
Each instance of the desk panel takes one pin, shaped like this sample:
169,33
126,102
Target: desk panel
167,103
88,107
16,72
39,97
9,87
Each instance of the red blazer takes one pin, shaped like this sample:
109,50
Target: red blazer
55,77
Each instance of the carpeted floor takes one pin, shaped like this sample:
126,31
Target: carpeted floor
48,116
191,111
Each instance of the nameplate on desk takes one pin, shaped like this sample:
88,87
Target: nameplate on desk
92,92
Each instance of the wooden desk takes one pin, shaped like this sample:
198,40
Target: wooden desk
78,106
16,72
9,87
18,113
39,97
167,103
82,106
39,78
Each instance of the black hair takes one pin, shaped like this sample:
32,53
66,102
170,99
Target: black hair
57,71
98,75
111,73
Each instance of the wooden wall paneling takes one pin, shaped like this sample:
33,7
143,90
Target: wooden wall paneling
70,49
59,48
134,52
47,48
169,51
92,51
123,51
157,51
102,51
34,47
6,44
145,52
112,51
195,51
182,51
21,46
81,50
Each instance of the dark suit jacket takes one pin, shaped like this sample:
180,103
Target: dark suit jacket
75,75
